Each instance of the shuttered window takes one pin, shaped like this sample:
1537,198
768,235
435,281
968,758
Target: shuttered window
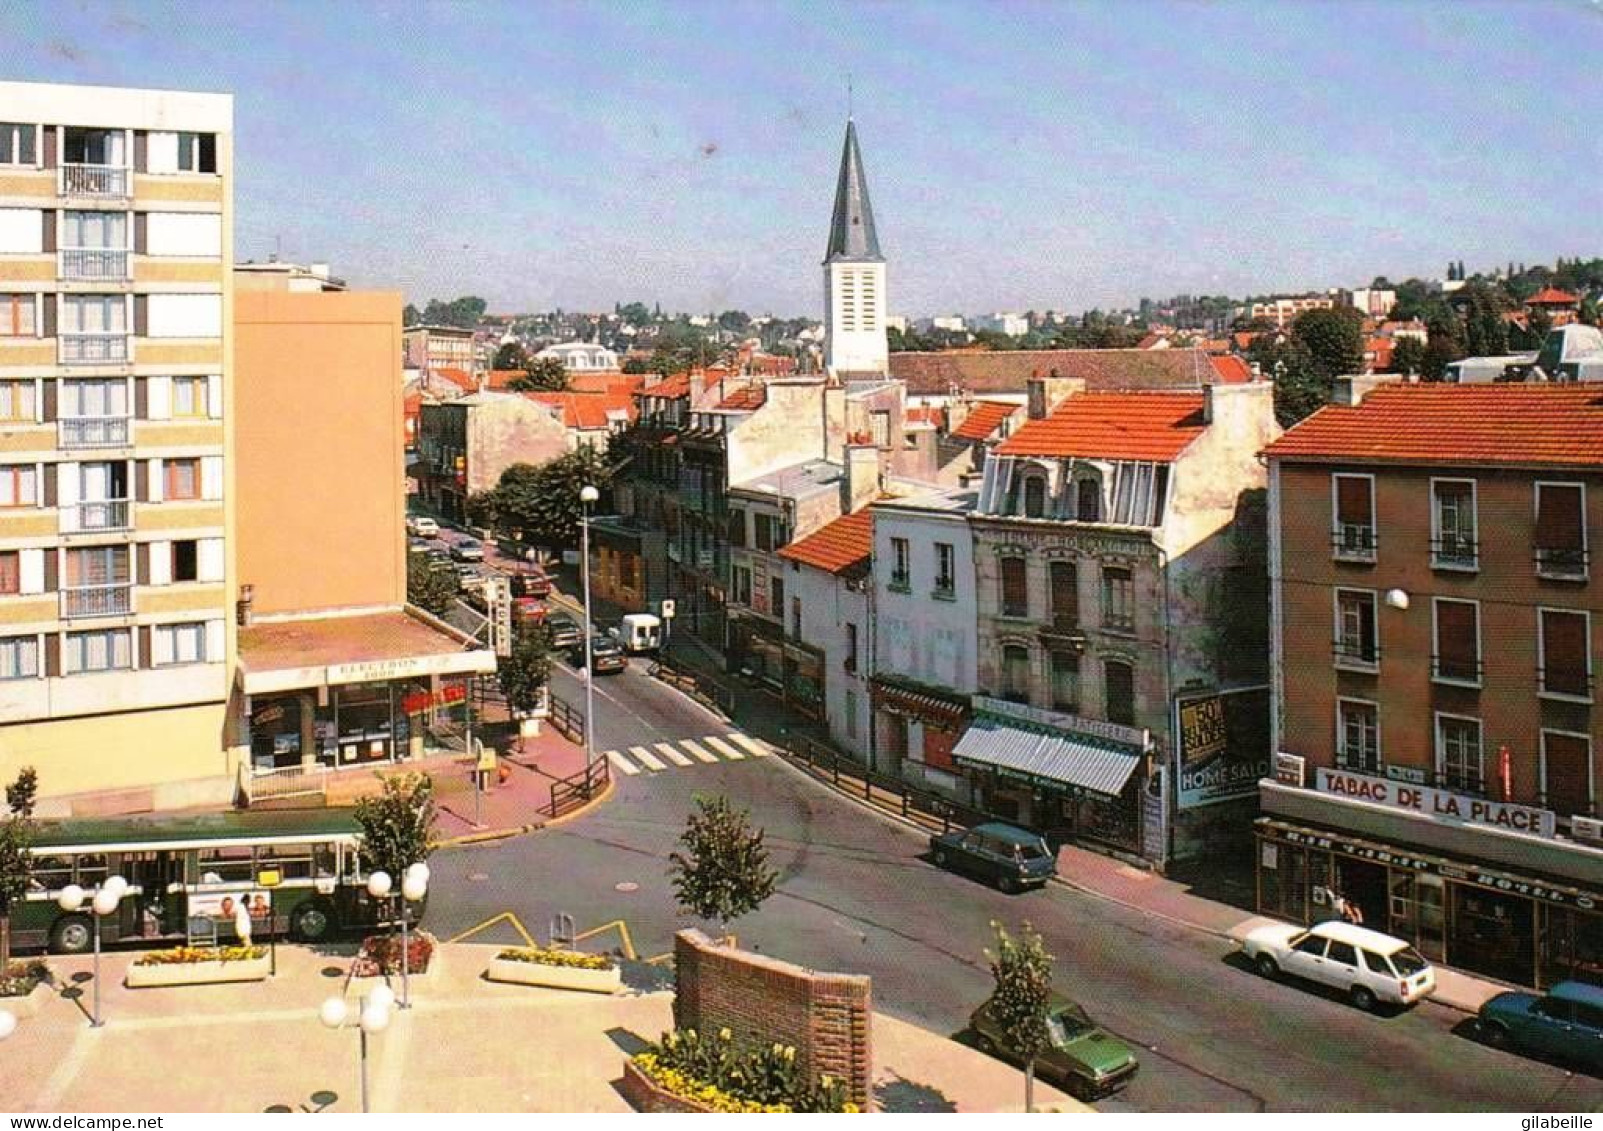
1119,689
1015,590
1016,673
1065,596
1567,773
1355,517
1566,659
1458,649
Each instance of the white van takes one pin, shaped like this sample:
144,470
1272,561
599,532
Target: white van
639,632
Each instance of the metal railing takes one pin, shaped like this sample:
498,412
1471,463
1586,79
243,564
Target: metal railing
98,600
1562,563
103,514
1571,681
1454,553
290,781
568,721
851,776
1456,669
93,431
1355,656
94,264
575,790
1353,542
82,179
92,348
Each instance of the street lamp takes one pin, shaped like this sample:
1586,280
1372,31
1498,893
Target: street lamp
105,901
8,1023
373,1016
414,887
587,496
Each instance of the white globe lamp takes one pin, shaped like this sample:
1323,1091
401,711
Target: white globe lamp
333,1012
71,898
379,884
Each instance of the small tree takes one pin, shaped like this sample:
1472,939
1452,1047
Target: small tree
541,375
512,355
1408,356
429,586
524,672
1020,1003
723,872
16,856
398,824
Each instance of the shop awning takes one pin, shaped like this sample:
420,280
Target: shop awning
942,711
374,647
1050,758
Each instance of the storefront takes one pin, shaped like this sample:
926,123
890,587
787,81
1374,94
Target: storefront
356,724
758,650
1518,928
917,730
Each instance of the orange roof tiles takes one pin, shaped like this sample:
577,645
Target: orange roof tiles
499,379
673,387
1552,296
605,382
1133,426
926,414
1521,425
458,377
748,399
840,547
1231,370
587,411
983,419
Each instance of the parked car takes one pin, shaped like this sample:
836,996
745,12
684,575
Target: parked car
413,542
604,651
530,581
422,526
471,579
468,550
527,611
1566,1024
1082,1057
1011,858
439,556
1366,965
565,631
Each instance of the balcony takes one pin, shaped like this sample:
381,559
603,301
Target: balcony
94,349
94,432
102,182
1455,552
1353,542
1571,683
93,264
98,600
1456,669
1562,563
1360,762
1355,656
105,514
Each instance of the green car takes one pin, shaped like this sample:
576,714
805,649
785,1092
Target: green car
1083,1058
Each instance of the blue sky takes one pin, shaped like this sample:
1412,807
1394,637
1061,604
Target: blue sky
1019,155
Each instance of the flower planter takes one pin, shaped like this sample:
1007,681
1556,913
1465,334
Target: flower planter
151,974
608,981
644,1095
27,1006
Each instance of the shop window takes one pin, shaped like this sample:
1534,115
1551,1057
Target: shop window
1566,654
1458,753
1457,657
1066,682
1119,680
1016,673
1065,584
1015,588
1118,599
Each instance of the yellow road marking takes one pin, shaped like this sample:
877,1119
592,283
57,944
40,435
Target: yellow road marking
623,935
505,916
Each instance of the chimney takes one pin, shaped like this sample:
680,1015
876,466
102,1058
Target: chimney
860,483
1207,404
698,387
1046,393
1352,390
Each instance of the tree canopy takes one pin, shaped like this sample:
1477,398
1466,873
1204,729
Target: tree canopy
430,587
398,824
16,852
511,355
524,671
465,312
540,375
723,872
542,502
1020,1002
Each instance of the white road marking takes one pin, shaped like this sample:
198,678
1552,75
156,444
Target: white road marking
622,763
751,746
650,760
668,752
696,749
724,748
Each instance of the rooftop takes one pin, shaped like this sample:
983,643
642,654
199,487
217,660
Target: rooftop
957,500
1009,371
984,418
278,655
1523,425
1126,426
798,481
1552,296
843,547
587,411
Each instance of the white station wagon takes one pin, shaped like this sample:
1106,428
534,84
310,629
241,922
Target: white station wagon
1367,965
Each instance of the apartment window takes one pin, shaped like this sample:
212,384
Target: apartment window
1561,530
10,572
18,401
1015,588
1034,496
1452,518
851,647
98,565
851,714
945,570
1118,599
1357,642
1066,682
103,651
1358,736
93,399
189,396
1065,578
880,423
178,644
795,617
19,485
1118,680
1458,642
1458,753
764,531
94,314
19,657
181,479
737,528
18,143
1016,673
776,596
1088,500
901,567
101,231
1567,772
197,153
742,577
186,560
1564,639
1354,534
18,315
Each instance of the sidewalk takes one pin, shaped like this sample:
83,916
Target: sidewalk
466,1045
520,804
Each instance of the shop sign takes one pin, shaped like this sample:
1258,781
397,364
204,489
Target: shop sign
378,671
1056,720
1291,769
1223,747
1438,804
420,701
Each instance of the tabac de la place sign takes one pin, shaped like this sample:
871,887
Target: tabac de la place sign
1437,803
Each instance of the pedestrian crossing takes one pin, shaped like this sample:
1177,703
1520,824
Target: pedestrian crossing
686,753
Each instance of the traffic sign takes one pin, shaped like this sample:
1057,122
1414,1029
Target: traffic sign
667,608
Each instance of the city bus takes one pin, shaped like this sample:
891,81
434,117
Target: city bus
297,873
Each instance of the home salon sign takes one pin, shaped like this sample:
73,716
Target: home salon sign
1436,803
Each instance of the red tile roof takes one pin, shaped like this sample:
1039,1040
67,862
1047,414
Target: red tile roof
1379,349
673,387
1009,371
458,377
747,399
842,547
1552,296
587,411
1522,425
1134,426
983,419
605,382
926,414
1231,370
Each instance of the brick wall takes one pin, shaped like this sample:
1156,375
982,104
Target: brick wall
762,1000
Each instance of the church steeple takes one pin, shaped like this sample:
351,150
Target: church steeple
851,231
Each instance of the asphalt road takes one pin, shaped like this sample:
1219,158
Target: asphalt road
855,895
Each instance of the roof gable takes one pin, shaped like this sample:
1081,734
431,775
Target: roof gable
842,547
1153,427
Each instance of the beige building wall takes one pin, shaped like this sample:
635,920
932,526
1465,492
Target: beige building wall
319,425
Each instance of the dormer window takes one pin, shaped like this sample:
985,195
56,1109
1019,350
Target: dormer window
1035,496
1088,500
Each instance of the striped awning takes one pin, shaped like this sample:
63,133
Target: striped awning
1045,758
921,705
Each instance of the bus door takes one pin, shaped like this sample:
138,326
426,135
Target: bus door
155,903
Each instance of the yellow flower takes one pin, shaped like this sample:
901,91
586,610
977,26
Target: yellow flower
725,1035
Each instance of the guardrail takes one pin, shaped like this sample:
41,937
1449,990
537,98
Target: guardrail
704,689
568,722
290,781
576,790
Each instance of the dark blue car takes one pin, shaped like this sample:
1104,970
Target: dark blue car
1566,1024
1011,858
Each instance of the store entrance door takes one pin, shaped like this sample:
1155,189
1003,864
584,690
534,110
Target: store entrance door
1363,884
1494,933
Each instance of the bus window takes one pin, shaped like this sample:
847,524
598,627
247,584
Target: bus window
290,861
230,865
50,873
91,869
323,861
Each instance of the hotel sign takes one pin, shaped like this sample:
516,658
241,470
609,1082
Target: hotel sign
1438,804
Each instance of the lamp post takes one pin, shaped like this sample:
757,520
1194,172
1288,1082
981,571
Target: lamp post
105,901
8,1023
373,1016
587,497
414,887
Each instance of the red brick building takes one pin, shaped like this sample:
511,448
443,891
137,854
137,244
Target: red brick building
1436,622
